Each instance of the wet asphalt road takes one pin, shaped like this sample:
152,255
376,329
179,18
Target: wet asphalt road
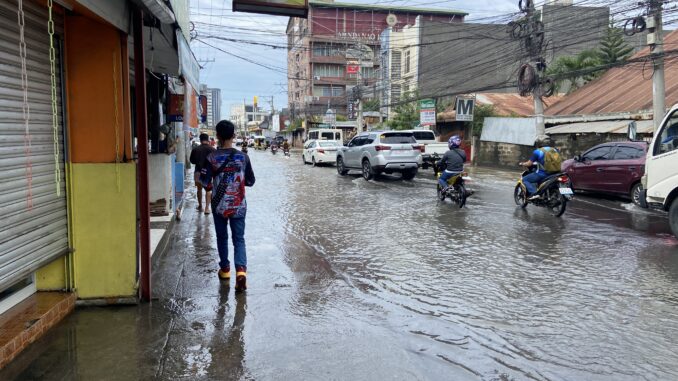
377,280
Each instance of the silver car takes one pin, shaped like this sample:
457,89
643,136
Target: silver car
381,152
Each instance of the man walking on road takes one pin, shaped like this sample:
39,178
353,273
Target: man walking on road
198,157
230,171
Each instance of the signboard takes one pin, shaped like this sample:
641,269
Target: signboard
360,52
188,65
203,108
352,69
465,108
175,108
292,8
427,112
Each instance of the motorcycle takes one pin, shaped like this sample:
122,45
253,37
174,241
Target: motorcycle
286,152
555,192
274,149
456,190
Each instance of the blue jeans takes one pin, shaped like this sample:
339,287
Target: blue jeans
238,232
532,181
446,175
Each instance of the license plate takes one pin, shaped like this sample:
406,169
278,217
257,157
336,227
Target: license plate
398,152
566,191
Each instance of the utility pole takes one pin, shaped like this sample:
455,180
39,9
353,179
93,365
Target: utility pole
359,119
657,47
536,94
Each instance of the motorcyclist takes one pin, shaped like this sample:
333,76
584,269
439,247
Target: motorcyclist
537,160
452,161
286,146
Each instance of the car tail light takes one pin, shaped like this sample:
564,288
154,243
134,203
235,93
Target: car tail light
321,151
418,148
382,148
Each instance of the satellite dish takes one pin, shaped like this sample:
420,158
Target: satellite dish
391,19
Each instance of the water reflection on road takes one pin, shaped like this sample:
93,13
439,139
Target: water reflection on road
491,289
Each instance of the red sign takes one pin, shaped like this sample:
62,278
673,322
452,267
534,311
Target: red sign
352,69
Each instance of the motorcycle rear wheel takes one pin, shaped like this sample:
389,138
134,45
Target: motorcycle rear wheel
557,204
441,194
461,195
520,197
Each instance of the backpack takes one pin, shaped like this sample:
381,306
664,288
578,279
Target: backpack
552,160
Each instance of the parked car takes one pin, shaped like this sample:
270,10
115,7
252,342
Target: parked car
612,168
381,152
320,151
431,146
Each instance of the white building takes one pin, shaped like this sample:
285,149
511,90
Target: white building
399,64
242,114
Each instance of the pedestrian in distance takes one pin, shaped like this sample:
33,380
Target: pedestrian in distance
198,157
230,172
544,162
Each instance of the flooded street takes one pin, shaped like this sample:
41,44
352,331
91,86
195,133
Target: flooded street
351,279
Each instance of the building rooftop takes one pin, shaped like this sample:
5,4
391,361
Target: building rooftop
506,104
625,89
389,8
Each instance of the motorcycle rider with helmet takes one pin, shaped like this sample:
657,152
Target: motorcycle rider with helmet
540,173
452,161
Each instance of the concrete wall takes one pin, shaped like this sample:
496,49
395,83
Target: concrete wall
502,154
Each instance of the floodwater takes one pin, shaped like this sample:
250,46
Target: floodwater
378,280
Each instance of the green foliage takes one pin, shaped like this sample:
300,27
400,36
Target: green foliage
295,124
479,114
613,48
371,105
341,118
570,72
406,113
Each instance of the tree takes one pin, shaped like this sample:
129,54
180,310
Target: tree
406,113
569,72
613,48
371,104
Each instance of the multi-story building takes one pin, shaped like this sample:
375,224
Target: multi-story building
242,114
399,72
322,46
213,105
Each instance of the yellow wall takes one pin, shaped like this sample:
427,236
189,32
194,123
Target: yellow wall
104,230
52,277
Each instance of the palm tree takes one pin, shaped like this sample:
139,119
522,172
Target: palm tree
570,72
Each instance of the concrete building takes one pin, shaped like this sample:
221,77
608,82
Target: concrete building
243,114
213,105
321,46
399,74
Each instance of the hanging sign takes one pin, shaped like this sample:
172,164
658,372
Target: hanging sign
427,112
352,69
465,107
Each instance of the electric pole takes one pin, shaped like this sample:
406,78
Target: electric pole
536,94
359,119
657,46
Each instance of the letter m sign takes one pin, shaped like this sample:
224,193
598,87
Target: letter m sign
464,109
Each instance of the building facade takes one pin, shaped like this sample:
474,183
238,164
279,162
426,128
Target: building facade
322,46
244,115
213,105
399,74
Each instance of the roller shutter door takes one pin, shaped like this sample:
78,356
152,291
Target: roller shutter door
29,237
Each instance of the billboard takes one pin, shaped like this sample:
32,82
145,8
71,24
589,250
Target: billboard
292,8
427,112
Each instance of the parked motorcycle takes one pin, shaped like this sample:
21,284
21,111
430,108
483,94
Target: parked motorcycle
555,191
456,191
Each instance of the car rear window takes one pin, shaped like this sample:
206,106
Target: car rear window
398,138
329,144
424,135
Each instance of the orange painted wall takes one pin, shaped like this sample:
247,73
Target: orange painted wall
96,56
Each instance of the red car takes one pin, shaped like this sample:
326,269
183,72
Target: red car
613,168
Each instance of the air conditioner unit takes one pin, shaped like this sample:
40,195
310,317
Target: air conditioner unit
317,78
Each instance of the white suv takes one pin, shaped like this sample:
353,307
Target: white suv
381,152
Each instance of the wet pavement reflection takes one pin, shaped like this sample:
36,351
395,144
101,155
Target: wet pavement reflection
378,280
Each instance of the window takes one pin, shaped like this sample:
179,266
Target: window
599,153
328,91
628,153
668,141
309,144
337,91
324,70
396,58
424,135
406,64
357,141
327,136
323,50
368,72
398,138
328,144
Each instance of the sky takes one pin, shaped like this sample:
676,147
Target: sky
240,80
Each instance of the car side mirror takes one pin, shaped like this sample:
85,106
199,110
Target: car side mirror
578,158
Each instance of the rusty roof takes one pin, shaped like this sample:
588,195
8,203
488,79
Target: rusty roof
622,89
505,104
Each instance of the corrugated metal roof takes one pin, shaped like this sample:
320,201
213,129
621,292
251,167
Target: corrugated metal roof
505,104
606,127
622,89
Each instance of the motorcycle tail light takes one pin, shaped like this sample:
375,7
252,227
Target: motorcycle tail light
563,179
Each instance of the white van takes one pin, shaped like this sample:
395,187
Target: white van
325,134
660,183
